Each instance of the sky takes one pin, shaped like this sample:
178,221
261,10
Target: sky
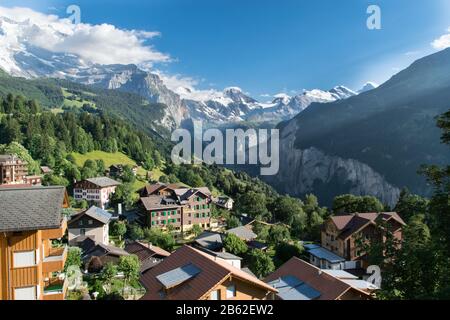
264,47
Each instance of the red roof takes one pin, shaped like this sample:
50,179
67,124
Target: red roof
350,223
145,250
331,288
212,273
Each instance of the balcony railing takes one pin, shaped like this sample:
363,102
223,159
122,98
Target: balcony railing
55,289
55,261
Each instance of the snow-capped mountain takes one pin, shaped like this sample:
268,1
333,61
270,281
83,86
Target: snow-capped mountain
21,55
367,87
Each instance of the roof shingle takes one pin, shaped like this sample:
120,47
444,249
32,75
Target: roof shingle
26,209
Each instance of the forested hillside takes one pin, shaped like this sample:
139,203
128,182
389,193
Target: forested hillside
49,137
60,95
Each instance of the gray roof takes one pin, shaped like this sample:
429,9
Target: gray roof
104,182
221,254
291,288
178,276
26,209
243,233
210,240
99,214
323,253
247,270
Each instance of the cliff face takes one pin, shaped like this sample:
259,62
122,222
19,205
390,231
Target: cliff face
313,171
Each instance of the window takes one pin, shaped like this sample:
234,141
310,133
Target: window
24,259
90,222
28,293
215,295
231,291
83,232
153,214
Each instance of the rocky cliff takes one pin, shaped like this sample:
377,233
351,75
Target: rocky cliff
313,171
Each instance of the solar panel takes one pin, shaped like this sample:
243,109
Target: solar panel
291,288
178,276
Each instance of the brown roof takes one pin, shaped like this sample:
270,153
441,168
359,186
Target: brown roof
351,223
155,202
331,288
212,273
145,250
151,188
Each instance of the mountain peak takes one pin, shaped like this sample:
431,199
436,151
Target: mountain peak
368,86
232,90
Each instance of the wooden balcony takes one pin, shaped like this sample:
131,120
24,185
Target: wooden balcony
55,233
55,261
55,289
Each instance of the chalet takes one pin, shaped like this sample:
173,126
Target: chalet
190,274
224,202
148,254
106,254
96,191
341,234
12,170
30,265
177,206
299,280
116,170
46,170
93,223
34,180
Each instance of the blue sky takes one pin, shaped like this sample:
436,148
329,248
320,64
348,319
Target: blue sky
267,46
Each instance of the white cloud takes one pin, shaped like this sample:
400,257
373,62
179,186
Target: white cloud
186,87
442,42
103,44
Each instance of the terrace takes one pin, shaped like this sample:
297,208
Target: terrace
55,289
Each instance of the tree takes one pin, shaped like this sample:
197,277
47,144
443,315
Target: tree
55,180
135,232
163,179
232,222
95,265
349,203
278,234
130,267
73,257
159,238
124,194
260,263
252,203
119,229
128,175
285,251
285,208
108,274
262,231
410,205
234,244
196,230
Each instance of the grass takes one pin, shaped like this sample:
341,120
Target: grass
74,103
118,158
137,185
108,158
